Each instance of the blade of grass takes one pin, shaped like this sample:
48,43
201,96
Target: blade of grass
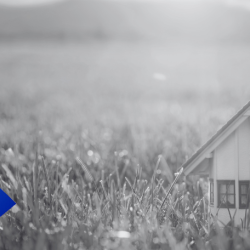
56,188
59,185
171,187
104,191
85,169
47,180
133,191
117,173
35,185
10,175
153,180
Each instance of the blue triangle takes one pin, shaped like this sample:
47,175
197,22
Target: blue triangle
6,203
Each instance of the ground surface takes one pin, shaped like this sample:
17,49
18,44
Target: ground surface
149,67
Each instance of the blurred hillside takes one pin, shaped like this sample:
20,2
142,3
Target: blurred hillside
180,21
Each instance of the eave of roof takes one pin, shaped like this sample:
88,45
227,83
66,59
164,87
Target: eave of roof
215,136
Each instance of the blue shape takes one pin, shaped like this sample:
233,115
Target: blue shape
6,203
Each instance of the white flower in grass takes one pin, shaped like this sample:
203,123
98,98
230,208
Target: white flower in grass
15,209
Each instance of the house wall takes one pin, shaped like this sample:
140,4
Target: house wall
204,168
226,159
244,150
211,169
224,217
232,162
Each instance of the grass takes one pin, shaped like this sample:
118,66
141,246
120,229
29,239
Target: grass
72,209
79,149
77,154
83,123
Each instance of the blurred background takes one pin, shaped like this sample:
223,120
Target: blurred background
137,77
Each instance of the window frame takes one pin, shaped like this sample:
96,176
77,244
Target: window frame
243,206
225,182
211,194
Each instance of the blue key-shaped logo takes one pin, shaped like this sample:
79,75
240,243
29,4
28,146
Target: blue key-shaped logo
6,203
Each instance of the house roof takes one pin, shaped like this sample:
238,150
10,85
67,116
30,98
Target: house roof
203,148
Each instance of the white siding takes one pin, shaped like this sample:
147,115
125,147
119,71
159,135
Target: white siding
224,217
244,150
211,169
226,159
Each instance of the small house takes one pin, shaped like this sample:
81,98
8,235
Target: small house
225,161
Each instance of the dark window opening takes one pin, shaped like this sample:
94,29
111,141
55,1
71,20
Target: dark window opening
211,192
244,194
226,194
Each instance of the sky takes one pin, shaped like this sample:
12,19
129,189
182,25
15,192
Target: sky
35,2
26,2
234,3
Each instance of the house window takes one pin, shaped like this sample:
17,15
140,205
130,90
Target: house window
243,191
211,192
226,194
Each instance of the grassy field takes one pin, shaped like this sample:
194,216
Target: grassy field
150,91
116,85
